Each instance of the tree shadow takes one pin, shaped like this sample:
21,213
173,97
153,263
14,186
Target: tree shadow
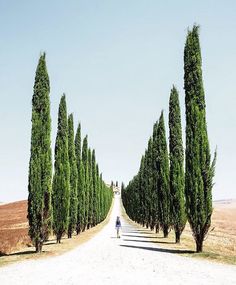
175,251
145,232
150,241
22,253
141,236
50,242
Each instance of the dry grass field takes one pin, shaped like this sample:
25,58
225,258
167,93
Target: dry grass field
13,227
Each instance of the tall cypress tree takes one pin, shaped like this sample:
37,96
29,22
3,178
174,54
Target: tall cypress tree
40,165
85,163
141,188
80,224
199,171
155,176
178,214
101,198
98,190
162,164
73,178
149,186
90,189
94,187
61,178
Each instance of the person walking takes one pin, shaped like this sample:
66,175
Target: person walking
118,226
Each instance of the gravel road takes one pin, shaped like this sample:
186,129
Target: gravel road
104,259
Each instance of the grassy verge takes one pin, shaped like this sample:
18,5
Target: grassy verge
218,247
51,248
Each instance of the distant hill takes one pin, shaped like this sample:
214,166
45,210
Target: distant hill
224,202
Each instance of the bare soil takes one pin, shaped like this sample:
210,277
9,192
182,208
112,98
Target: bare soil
13,227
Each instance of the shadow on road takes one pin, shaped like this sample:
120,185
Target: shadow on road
141,236
175,251
150,241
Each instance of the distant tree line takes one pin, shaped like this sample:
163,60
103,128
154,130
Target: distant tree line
164,194
73,198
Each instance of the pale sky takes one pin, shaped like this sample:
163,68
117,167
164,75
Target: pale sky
116,61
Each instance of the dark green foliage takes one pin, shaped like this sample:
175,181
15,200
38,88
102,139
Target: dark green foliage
122,186
98,190
162,164
73,178
40,165
148,185
94,190
199,169
90,190
146,198
80,224
85,163
155,209
78,146
178,214
94,197
61,179
77,198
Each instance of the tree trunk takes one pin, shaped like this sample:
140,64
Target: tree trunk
78,230
165,231
199,244
177,236
40,246
59,238
37,246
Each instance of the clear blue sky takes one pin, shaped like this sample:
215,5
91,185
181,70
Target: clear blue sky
116,61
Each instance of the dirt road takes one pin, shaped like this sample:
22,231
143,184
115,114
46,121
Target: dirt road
104,259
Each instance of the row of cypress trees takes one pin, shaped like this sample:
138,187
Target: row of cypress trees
165,194
76,197
155,196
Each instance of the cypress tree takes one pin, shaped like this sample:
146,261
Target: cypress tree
162,164
199,170
101,197
94,187
80,224
178,214
85,163
155,176
61,179
40,165
73,178
98,189
141,188
149,185
145,188
90,190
